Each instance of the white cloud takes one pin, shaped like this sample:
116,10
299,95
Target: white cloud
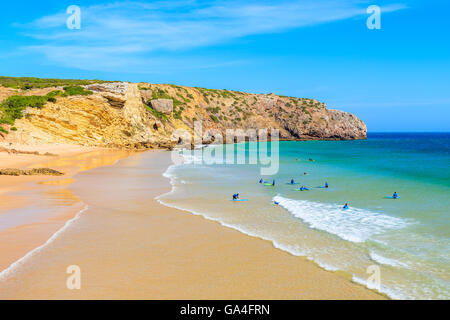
131,32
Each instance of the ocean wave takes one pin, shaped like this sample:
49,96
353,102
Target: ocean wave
386,261
355,225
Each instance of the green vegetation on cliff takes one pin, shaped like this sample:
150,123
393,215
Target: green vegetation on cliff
13,108
26,83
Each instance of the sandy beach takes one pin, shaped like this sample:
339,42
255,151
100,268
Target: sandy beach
128,246
22,234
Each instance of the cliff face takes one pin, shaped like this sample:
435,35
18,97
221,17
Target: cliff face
146,116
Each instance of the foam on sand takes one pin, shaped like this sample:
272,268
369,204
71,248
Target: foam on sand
13,267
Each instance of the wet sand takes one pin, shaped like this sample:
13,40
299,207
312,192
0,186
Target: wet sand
128,246
31,213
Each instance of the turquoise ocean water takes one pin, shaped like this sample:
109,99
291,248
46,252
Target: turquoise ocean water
407,238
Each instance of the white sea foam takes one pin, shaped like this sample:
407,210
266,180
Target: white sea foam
169,173
191,157
386,261
394,294
14,266
355,225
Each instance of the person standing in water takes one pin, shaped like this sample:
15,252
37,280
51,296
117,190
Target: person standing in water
261,181
273,183
326,185
292,181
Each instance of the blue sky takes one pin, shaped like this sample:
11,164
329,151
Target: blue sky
395,79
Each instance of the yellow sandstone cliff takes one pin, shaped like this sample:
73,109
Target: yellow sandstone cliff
145,115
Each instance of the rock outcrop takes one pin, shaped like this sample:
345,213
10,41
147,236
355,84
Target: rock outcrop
114,92
162,105
30,172
122,115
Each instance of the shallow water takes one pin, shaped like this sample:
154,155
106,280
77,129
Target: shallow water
408,238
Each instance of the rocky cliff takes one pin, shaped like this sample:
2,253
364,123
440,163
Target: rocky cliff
146,116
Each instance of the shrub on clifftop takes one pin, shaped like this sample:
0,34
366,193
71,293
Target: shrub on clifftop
77,91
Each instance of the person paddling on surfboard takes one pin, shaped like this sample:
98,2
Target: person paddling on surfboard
345,206
395,195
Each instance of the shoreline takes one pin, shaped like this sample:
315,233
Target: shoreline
338,273
227,250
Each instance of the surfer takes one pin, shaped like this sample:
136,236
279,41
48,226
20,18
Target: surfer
395,195
261,181
292,181
273,183
326,184
345,206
